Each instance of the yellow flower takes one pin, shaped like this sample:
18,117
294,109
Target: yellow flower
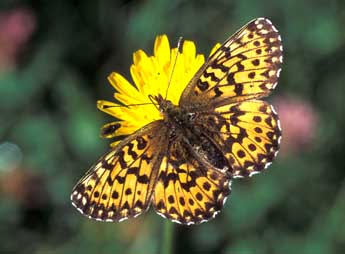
151,75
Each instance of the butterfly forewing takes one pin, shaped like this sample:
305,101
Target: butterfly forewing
121,183
246,66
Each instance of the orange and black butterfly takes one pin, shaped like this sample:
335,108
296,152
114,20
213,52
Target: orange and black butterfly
183,164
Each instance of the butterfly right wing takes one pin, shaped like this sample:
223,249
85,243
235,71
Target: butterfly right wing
246,66
120,184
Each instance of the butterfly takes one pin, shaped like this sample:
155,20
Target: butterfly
184,163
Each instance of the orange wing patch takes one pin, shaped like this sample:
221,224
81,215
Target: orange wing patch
246,66
120,184
187,191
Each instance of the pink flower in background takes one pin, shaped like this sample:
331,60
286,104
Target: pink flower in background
298,121
24,187
16,28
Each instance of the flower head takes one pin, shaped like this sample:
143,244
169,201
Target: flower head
151,76
16,28
299,120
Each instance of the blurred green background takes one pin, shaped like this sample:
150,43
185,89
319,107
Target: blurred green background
54,60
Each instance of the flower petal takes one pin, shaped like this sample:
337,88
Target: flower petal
189,51
162,50
139,56
215,47
109,107
122,86
143,70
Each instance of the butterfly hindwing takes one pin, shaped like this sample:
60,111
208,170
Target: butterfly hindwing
187,190
120,184
246,66
248,133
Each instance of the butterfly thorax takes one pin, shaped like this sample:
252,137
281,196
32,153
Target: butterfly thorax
174,115
182,126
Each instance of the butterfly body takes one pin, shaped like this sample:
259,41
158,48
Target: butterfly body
173,114
183,164
181,123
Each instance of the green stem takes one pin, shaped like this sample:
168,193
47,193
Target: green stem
168,235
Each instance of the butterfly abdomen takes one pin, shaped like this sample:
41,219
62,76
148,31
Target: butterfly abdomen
209,150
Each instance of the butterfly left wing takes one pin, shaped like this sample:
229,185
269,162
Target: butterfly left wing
120,184
189,190
246,66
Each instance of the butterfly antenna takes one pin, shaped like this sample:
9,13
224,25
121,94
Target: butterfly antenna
153,99
130,105
179,51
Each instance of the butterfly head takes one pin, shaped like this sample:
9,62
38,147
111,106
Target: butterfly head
173,113
163,104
